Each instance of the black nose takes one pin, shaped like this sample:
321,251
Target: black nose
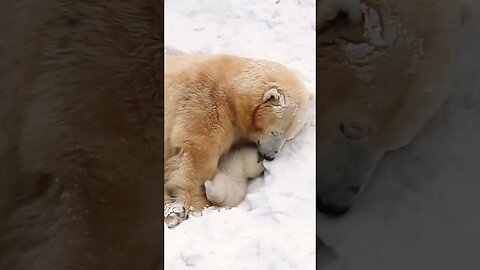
268,158
354,189
329,209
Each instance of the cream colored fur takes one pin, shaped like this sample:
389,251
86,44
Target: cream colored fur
229,185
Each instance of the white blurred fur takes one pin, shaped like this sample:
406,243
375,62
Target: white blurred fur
229,185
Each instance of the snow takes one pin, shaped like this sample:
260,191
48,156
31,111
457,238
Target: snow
273,227
422,208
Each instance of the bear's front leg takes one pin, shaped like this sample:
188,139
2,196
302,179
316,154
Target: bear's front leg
186,174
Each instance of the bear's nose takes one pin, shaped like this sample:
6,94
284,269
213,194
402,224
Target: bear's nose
354,189
330,209
269,158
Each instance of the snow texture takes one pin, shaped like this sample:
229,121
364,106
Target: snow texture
273,227
422,208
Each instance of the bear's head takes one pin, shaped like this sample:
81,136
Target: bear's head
382,70
271,105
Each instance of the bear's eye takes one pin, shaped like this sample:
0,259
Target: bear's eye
354,131
275,133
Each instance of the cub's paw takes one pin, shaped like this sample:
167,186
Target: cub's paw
174,213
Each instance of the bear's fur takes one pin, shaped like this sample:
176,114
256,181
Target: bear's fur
212,102
229,185
382,72
81,134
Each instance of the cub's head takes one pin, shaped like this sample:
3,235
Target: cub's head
271,105
251,161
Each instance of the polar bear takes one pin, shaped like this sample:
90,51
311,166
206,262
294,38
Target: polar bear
213,102
229,185
382,73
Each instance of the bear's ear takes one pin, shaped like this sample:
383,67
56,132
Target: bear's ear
271,95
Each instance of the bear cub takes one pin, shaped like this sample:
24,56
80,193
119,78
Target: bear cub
229,185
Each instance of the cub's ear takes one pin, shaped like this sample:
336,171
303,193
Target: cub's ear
271,95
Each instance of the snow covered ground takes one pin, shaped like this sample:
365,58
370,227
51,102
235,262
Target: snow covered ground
422,209
274,227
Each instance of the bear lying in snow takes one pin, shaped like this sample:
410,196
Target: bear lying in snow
212,103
